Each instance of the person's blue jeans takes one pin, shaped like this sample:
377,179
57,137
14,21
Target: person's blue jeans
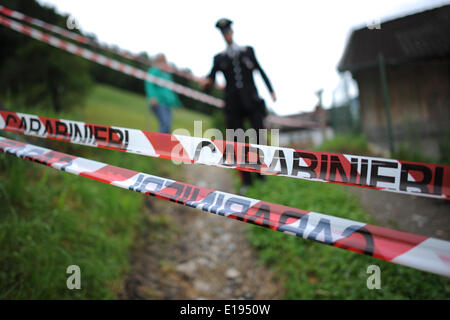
164,115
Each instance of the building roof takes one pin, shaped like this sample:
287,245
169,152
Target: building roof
289,123
415,37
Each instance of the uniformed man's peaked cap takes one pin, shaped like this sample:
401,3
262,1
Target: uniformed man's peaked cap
224,25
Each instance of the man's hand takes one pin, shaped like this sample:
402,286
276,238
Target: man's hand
206,83
274,96
153,102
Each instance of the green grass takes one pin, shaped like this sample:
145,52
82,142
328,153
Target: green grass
346,143
406,152
133,111
358,145
51,219
311,270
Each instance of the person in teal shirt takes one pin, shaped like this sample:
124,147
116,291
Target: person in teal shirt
161,99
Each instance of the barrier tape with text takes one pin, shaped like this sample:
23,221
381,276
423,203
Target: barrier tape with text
420,179
423,253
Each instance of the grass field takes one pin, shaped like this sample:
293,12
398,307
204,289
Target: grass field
50,219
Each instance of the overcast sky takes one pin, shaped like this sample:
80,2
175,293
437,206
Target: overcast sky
298,43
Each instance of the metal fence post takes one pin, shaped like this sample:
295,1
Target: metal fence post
385,92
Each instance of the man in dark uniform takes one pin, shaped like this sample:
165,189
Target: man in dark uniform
241,97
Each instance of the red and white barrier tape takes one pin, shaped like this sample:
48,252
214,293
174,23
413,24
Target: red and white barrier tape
90,42
108,62
420,179
424,253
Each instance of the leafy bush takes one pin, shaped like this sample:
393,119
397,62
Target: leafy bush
346,143
37,74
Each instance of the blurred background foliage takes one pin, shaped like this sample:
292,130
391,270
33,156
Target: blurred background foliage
36,74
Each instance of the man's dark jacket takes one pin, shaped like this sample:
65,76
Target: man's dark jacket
238,73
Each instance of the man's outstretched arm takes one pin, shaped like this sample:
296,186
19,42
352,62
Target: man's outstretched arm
263,74
211,77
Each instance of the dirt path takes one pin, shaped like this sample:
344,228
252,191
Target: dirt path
187,254
419,215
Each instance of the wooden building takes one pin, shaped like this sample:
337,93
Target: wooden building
414,54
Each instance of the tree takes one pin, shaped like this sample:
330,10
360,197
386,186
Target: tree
35,74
